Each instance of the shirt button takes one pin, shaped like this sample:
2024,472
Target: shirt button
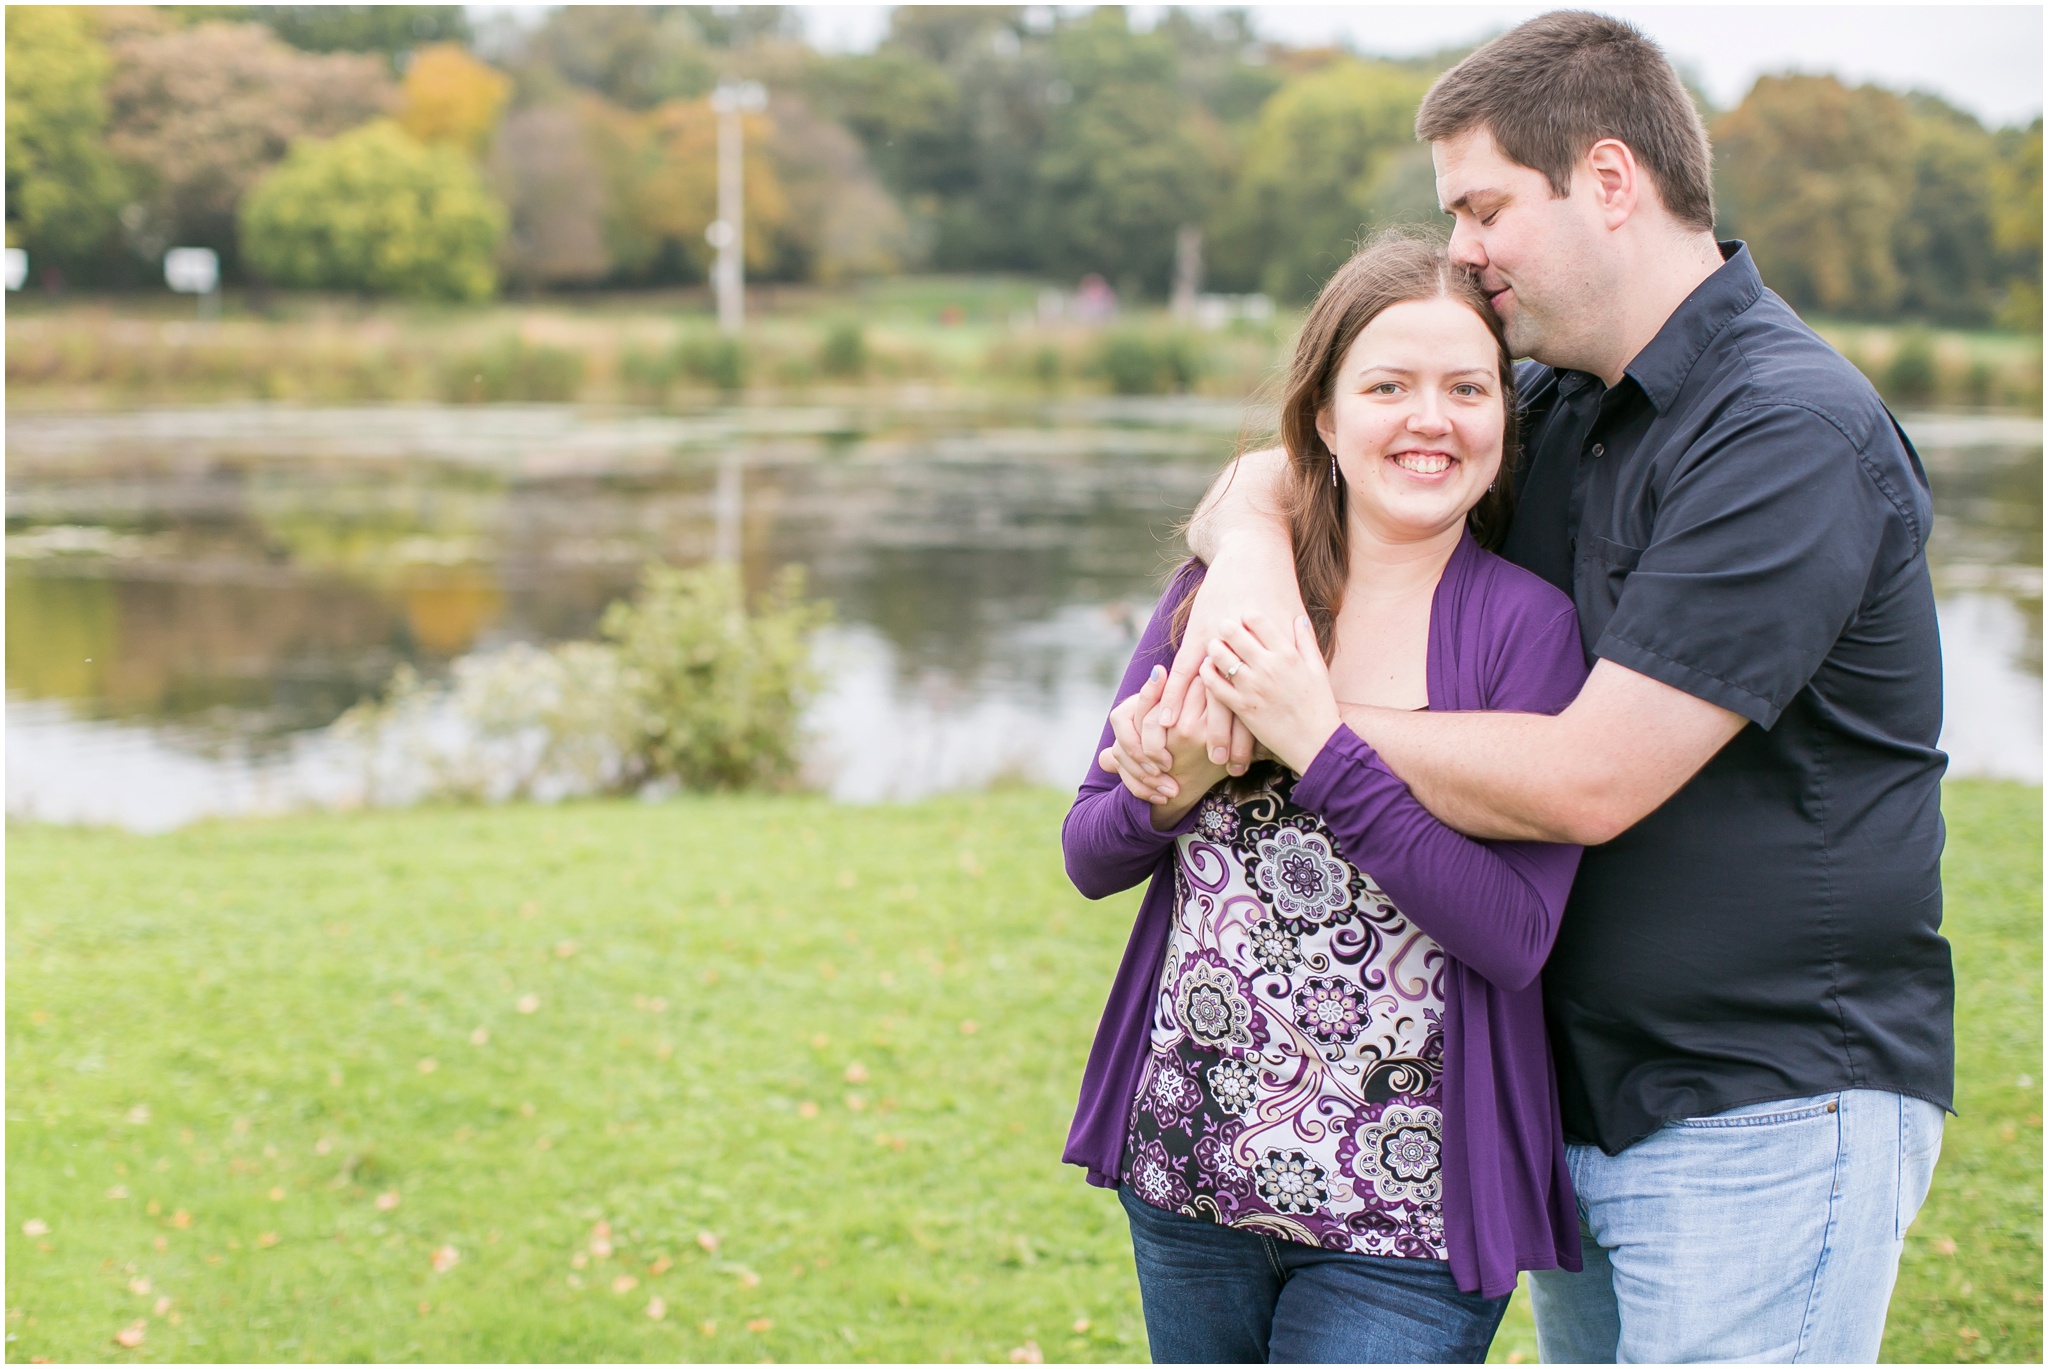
1599,449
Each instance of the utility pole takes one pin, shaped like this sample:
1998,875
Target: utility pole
728,232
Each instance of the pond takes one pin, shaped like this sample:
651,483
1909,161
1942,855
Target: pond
194,596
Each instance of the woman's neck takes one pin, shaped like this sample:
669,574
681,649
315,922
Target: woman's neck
1380,565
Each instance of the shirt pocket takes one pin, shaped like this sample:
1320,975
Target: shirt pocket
1604,566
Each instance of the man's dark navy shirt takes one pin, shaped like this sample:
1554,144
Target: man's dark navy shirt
1740,519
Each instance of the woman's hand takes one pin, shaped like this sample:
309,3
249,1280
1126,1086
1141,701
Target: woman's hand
1278,683
1190,773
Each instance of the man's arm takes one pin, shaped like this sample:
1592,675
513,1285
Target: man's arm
1621,748
1240,533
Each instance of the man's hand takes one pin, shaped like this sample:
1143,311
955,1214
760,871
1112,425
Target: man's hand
1189,773
1239,531
1276,681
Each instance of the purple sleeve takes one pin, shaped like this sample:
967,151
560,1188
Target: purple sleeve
1109,839
1495,905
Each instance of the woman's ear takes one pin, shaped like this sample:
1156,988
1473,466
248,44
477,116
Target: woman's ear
1326,430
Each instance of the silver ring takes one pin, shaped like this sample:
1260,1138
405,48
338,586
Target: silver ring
1231,673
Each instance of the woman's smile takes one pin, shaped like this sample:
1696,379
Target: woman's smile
1423,462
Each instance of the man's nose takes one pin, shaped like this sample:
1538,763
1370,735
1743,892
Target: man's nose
1465,248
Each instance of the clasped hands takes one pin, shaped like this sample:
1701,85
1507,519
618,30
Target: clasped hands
1258,677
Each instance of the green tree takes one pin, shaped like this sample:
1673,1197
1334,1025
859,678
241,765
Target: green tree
1817,177
1943,242
2016,225
389,29
63,188
1127,160
1333,154
374,210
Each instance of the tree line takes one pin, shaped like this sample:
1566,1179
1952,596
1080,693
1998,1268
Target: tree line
402,150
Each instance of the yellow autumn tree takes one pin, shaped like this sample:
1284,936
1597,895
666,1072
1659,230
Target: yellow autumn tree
661,173
450,97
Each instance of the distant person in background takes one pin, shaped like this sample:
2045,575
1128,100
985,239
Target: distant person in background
1750,1001
1322,1085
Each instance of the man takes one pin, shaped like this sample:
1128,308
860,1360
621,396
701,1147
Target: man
1750,1002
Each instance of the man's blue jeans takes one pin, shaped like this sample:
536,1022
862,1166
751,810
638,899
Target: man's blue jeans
1764,1233
1220,1295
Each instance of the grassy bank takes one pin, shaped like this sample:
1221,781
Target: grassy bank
708,1080
910,335
658,350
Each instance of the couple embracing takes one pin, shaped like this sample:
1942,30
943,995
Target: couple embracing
1536,780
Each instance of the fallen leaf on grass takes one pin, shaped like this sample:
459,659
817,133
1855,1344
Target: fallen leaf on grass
446,1258
749,1279
160,1243
969,1027
117,1192
1081,1325
277,1195
761,1325
388,1201
1027,1353
807,1109
181,1219
267,1239
528,1003
662,1264
856,1073
565,949
1946,1246
625,1283
579,1260
480,1037
544,1143
130,1336
709,1328
428,1065
139,1114
708,1241
820,1041
656,1309
856,1102
1969,1333
139,1287
35,1226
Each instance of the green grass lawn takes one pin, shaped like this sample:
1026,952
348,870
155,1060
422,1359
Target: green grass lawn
506,1084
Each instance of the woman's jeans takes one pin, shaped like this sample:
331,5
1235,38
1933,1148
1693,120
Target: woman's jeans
1764,1233
1219,1295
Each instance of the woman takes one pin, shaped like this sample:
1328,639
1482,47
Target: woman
1321,1083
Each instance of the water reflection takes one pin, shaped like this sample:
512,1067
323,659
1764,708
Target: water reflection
194,595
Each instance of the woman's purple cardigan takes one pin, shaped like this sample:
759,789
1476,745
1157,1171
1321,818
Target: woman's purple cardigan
1499,638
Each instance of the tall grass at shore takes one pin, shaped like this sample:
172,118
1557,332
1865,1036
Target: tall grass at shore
663,351
716,1079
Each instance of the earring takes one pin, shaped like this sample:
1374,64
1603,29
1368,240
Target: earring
1333,470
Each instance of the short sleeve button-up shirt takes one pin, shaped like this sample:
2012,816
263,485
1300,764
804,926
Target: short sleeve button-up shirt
1740,518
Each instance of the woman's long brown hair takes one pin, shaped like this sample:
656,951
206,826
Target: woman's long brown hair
1393,268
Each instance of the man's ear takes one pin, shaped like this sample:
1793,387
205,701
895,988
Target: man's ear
1616,180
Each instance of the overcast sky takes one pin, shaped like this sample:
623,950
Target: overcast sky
1985,58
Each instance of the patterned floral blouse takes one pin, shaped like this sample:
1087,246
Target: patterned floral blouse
1297,1043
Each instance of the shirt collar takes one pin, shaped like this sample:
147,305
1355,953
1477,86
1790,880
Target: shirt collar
1661,368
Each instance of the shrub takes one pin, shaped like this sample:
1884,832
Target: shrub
1912,377
845,352
714,691
376,211
513,370
715,360
1139,363
689,688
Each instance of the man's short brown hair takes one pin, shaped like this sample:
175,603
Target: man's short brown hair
1549,89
